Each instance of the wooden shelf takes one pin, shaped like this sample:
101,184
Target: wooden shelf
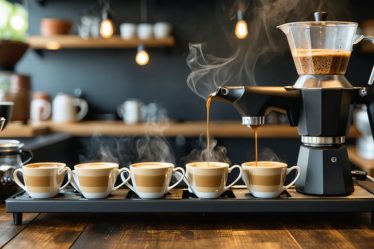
15,129
223,129
76,42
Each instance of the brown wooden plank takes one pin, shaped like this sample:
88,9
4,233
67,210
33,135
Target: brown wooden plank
183,231
50,231
357,229
317,232
76,42
7,229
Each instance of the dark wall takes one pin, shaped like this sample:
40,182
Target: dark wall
108,77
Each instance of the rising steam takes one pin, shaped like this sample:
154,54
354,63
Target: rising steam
126,151
217,153
208,72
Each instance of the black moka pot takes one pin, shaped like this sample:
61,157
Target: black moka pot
320,103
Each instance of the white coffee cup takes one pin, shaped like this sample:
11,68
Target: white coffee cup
64,108
208,179
128,30
42,180
161,30
40,110
151,180
266,180
131,111
96,180
145,31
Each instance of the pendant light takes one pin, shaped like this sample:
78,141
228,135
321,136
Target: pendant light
106,25
142,56
241,26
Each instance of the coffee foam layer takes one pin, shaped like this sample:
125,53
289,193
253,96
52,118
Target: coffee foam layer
264,164
207,165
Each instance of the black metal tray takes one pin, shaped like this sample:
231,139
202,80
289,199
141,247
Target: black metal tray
236,200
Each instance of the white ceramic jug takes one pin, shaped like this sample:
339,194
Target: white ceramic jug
64,108
40,107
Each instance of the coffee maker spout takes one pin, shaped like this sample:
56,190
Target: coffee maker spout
254,102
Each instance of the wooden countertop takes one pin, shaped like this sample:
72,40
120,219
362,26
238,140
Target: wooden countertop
229,129
290,231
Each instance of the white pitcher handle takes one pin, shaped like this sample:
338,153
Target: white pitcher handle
121,171
83,108
66,170
237,179
46,110
294,180
16,179
120,110
179,180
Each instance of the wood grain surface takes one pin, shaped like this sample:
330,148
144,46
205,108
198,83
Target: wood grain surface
268,231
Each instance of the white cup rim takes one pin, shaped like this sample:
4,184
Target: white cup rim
205,165
105,165
45,165
275,164
151,165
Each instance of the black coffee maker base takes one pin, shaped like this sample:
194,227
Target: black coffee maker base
325,171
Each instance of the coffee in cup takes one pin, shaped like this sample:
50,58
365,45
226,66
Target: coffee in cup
96,180
208,179
266,180
42,180
151,180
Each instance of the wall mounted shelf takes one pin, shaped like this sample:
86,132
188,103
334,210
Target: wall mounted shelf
76,42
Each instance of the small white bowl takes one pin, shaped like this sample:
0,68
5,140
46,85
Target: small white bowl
145,31
128,30
161,30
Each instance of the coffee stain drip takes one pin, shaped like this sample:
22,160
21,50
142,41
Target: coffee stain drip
208,102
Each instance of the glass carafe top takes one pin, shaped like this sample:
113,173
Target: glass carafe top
320,48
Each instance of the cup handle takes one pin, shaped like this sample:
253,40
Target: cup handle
120,111
127,183
16,180
294,180
46,111
124,181
180,179
83,108
28,154
66,170
74,181
237,179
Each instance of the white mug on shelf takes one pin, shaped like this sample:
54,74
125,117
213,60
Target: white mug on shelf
128,31
131,111
40,107
161,30
64,108
144,31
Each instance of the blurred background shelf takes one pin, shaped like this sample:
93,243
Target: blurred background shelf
222,129
76,42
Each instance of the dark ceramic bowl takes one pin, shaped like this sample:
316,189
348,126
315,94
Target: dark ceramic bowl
10,53
6,109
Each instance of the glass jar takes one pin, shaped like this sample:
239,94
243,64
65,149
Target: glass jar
12,156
